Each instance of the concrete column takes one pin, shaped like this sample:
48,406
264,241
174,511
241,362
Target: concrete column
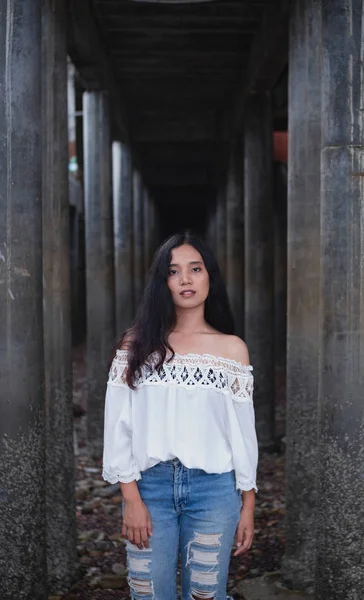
259,264
123,235
303,298
221,229
138,231
99,259
147,237
22,423
60,496
280,296
211,232
235,234
340,527
154,226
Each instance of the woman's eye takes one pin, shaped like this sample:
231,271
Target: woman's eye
196,269
172,271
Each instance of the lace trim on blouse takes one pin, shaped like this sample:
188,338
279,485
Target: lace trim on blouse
188,370
117,475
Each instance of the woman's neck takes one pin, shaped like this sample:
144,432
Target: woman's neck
190,320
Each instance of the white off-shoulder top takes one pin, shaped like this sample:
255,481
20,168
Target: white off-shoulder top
197,408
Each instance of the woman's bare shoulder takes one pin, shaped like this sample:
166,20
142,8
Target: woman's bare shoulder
233,347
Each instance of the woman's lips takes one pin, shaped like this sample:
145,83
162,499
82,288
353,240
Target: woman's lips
187,293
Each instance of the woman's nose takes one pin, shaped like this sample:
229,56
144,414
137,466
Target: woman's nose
185,277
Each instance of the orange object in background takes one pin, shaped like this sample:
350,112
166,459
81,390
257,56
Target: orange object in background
280,146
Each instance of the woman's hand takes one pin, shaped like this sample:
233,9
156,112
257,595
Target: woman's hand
137,524
245,531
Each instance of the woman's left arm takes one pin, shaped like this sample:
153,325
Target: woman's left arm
245,530
246,475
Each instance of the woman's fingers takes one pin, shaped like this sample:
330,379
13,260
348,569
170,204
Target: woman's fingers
239,534
137,539
144,537
244,540
149,525
246,544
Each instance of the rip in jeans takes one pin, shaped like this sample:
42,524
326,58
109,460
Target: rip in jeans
203,554
139,578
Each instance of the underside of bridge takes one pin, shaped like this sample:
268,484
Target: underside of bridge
178,71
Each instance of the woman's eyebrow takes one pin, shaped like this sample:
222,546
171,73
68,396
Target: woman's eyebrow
193,262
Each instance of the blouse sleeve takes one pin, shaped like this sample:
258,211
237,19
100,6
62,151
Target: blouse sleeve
242,429
118,461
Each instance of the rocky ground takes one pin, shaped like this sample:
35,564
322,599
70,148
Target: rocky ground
102,572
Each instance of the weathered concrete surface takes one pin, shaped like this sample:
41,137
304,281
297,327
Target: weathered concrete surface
340,550
211,230
259,252
154,228
221,230
280,296
138,237
60,496
235,234
99,259
303,299
123,235
148,210
22,426
266,588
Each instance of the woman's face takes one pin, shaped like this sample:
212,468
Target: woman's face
188,278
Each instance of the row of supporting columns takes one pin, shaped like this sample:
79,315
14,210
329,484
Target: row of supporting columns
259,257
325,319
120,239
241,232
37,525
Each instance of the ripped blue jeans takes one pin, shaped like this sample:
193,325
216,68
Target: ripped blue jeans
194,515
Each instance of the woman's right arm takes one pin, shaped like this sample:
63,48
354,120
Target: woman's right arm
119,464
137,524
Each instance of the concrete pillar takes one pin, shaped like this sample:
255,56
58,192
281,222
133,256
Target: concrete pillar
235,234
340,527
154,226
22,423
123,235
221,229
147,239
211,232
138,231
280,296
259,264
60,496
99,259
303,298
71,100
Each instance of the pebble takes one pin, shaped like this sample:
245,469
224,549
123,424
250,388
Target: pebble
111,581
115,537
110,490
119,569
117,499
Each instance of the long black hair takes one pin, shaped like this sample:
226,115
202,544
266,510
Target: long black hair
156,315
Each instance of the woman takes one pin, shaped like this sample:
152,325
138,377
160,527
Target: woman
179,430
